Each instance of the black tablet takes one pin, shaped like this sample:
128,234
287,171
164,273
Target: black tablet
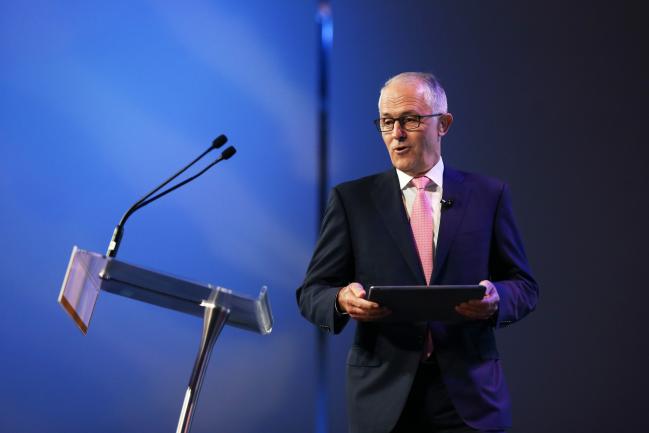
420,303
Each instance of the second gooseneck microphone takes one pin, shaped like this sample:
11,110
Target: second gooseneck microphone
150,197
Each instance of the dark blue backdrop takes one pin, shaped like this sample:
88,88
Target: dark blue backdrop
100,101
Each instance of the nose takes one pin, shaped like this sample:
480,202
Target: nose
397,132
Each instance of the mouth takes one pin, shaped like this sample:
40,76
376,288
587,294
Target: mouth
400,149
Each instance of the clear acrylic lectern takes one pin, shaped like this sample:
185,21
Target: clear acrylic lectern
89,272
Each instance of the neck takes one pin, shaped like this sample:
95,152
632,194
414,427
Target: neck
422,172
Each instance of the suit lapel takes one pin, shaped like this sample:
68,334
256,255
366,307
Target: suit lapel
454,189
389,205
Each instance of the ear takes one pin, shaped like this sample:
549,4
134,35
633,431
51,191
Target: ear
444,123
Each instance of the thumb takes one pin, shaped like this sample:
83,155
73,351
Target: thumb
357,289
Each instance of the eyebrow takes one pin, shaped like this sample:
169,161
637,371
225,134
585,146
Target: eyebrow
403,113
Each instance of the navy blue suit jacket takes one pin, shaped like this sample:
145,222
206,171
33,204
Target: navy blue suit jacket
366,237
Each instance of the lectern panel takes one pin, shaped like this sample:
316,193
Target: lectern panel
89,272
81,286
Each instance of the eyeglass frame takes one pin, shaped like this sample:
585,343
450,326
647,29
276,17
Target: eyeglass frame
400,119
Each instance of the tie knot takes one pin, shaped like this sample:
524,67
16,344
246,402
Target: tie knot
420,182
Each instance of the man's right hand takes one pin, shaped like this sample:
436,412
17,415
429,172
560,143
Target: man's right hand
351,300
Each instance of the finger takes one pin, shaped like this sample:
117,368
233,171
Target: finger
474,313
362,304
369,305
352,296
479,302
470,308
489,306
480,309
369,316
372,314
491,294
491,291
475,306
466,313
357,289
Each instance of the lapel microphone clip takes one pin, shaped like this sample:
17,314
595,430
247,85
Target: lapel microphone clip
447,204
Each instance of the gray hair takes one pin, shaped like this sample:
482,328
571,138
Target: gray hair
434,94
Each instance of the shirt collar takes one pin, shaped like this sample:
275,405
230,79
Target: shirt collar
436,174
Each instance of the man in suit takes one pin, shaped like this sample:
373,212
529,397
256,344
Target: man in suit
420,223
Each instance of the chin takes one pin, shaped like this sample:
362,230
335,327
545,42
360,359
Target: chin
401,164
406,168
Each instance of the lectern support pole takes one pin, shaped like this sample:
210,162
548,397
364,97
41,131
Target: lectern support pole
214,319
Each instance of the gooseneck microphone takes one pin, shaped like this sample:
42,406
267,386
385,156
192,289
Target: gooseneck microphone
216,143
150,197
226,154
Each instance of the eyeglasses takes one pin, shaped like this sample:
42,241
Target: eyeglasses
409,122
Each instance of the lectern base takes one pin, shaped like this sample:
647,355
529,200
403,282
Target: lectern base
214,320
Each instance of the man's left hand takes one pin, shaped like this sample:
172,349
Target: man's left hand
481,309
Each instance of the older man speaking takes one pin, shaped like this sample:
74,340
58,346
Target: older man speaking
420,223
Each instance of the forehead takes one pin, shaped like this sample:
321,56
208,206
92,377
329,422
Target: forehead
404,97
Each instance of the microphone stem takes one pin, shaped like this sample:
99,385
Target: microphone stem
189,179
119,229
181,171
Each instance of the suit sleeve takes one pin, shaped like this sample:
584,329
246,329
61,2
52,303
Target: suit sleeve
509,267
331,267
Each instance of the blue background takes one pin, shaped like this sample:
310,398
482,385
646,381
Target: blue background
100,101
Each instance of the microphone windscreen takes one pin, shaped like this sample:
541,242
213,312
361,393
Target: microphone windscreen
227,153
219,141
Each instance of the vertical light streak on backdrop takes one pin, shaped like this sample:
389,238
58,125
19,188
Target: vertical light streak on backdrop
325,42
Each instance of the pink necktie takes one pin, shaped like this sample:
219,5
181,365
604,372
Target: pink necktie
421,221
